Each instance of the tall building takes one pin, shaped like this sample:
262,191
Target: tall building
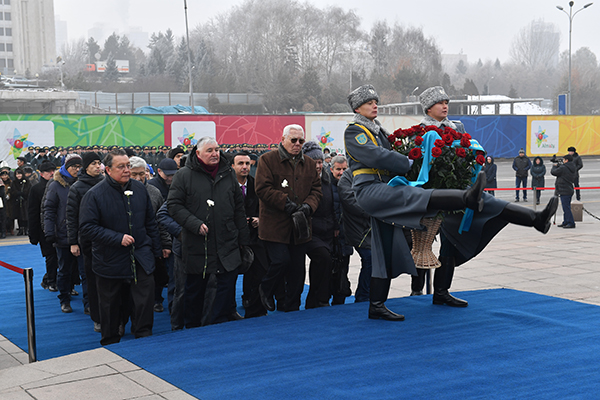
27,38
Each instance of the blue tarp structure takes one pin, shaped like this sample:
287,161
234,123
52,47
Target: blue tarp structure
176,109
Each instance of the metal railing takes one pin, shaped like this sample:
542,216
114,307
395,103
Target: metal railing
28,277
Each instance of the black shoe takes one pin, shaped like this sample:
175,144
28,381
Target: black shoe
86,311
267,301
473,194
44,285
569,226
235,316
525,200
66,308
52,288
74,292
537,203
516,200
542,219
378,310
414,293
97,327
561,225
158,307
448,299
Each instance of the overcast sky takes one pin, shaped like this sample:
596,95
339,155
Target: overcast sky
479,29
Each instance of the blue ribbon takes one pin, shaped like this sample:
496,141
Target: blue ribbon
428,143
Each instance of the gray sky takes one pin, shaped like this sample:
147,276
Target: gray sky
480,29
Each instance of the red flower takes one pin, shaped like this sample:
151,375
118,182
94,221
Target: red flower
456,135
418,140
480,159
415,153
461,152
439,143
464,142
480,153
392,138
448,139
398,143
436,152
430,128
466,135
399,133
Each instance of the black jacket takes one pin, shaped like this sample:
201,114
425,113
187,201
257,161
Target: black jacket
565,177
55,209
490,170
521,165
251,204
187,203
104,219
160,184
36,194
537,173
578,162
357,223
324,222
84,183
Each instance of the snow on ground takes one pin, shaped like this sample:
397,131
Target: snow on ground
526,108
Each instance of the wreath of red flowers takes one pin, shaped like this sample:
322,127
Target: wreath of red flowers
451,166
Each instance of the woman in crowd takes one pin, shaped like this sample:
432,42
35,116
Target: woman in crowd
490,170
538,170
19,192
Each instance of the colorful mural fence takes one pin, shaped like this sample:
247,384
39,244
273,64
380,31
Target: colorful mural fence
502,136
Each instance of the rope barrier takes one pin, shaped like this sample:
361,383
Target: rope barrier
543,188
12,267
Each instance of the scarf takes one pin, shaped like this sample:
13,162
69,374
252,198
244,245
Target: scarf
438,124
211,170
64,172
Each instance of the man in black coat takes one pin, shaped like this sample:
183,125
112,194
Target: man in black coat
164,176
566,174
253,276
87,179
116,215
36,234
521,165
578,163
206,200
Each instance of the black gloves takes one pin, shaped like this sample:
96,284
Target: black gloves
305,208
290,207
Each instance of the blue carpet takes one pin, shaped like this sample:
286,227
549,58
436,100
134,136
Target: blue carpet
57,333
506,344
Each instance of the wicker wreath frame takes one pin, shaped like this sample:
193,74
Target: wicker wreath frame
421,252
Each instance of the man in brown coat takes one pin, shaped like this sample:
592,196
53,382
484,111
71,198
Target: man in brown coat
289,190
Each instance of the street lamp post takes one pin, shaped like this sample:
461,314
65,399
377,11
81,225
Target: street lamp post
571,15
187,32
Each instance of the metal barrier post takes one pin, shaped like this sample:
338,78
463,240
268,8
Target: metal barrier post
28,276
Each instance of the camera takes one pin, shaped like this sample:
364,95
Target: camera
556,160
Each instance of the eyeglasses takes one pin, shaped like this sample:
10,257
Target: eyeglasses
294,140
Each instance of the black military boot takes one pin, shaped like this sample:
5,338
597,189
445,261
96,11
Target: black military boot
540,220
378,295
454,199
441,283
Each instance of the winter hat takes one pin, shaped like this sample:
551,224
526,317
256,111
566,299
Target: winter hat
168,166
432,96
174,151
313,150
572,149
46,166
89,158
361,95
521,151
72,159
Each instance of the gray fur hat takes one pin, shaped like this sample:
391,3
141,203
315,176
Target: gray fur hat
361,95
312,150
432,96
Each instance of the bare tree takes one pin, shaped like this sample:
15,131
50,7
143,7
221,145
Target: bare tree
537,45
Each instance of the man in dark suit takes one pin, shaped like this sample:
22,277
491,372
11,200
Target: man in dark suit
252,277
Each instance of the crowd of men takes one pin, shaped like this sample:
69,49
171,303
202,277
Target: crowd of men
126,223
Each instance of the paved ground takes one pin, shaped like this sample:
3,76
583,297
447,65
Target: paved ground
563,263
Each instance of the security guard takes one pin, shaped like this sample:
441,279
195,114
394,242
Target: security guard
373,164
